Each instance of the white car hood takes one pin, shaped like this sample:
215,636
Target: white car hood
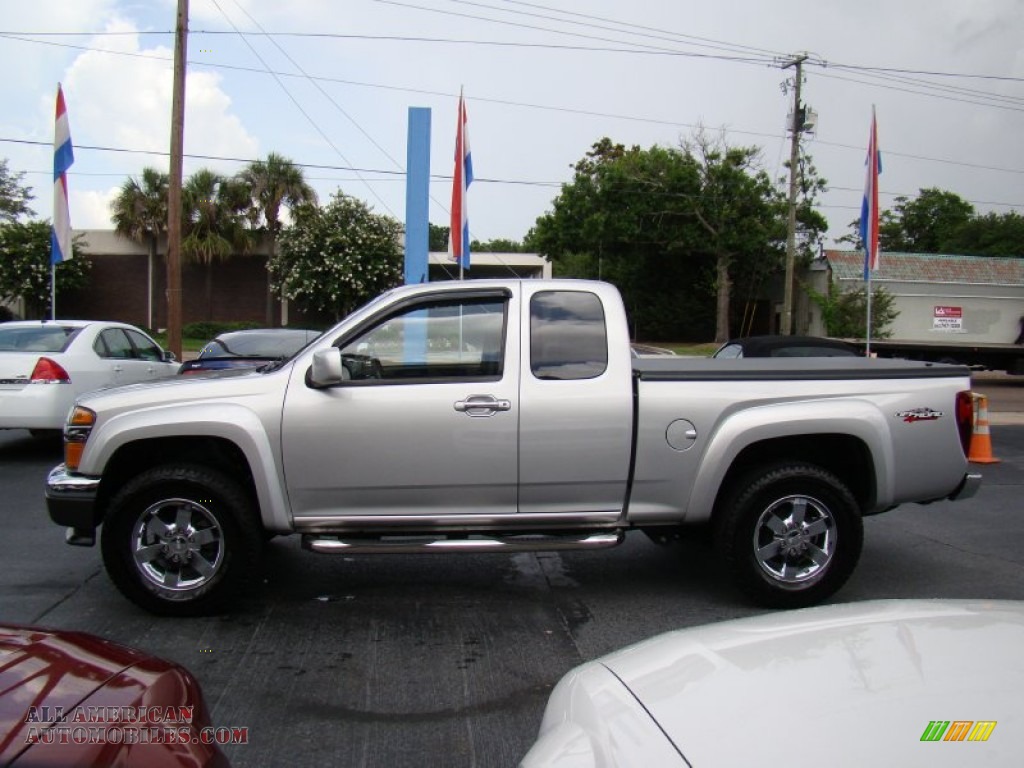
850,684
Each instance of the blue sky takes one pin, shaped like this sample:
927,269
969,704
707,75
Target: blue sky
543,80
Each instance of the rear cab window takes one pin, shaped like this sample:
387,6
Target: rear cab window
46,338
568,336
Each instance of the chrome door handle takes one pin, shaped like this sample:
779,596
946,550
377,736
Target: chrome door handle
482,405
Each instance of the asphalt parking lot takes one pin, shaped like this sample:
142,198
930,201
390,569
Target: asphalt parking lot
412,660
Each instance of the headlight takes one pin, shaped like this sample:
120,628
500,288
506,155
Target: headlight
76,433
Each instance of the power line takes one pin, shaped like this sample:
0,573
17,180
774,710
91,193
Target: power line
247,160
524,105
298,106
921,88
709,42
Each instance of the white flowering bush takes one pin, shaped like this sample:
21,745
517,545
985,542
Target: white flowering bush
336,257
25,266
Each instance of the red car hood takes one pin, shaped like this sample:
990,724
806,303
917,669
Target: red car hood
46,674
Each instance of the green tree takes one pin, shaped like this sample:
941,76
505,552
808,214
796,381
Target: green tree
929,223
336,257
25,266
14,195
438,238
926,224
845,312
740,212
992,234
215,209
139,212
498,245
274,183
673,228
616,221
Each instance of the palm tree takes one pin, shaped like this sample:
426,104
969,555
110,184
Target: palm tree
140,212
215,208
274,182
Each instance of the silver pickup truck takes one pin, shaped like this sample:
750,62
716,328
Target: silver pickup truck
504,416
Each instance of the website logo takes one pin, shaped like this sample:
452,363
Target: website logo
958,730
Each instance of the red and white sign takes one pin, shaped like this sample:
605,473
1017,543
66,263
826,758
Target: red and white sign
948,319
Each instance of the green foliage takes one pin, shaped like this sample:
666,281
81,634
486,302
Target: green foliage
273,183
992,234
498,245
925,224
676,229
845,312
214,208
438,238
139,211
14,196
334,258
25,266
937,221
207,329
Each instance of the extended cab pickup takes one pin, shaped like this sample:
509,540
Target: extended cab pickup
504,416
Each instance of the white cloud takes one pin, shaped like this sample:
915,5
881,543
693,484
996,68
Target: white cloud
91,208
124,101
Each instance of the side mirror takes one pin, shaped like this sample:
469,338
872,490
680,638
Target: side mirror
327,370
170,357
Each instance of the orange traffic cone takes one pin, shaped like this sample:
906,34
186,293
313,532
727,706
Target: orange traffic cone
981,440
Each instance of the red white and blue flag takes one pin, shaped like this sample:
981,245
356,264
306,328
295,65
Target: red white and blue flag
458,236
63,157
869,207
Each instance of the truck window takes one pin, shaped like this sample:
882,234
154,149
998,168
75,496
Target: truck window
568,336
459,339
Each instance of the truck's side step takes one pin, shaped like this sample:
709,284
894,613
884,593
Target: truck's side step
467,543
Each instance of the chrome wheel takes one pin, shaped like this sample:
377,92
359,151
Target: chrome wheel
795,540
177,545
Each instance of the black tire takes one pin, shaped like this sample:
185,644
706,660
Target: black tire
790,534
181,540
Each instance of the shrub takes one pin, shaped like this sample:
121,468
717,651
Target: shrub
207,329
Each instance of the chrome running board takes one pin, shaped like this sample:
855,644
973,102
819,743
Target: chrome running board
396,545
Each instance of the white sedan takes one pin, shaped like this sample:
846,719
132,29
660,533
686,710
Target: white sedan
891,682
46,364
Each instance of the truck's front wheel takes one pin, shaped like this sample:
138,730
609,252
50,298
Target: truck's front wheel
180,540
791,535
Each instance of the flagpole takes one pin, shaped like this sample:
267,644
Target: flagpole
869,223
867,345
458,235
53,291
459,149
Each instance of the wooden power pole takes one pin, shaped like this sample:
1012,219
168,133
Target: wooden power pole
174,188
794,170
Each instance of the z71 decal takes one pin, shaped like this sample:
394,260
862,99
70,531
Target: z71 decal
919,414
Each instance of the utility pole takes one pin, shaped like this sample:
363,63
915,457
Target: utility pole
794,161
174,188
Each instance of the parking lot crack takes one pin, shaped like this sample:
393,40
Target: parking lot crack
67,596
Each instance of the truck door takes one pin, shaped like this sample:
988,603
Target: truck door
427,423
576,404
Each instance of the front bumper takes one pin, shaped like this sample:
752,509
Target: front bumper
967,488
71,502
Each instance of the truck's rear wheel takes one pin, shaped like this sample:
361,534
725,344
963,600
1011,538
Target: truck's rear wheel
791,535
181,540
